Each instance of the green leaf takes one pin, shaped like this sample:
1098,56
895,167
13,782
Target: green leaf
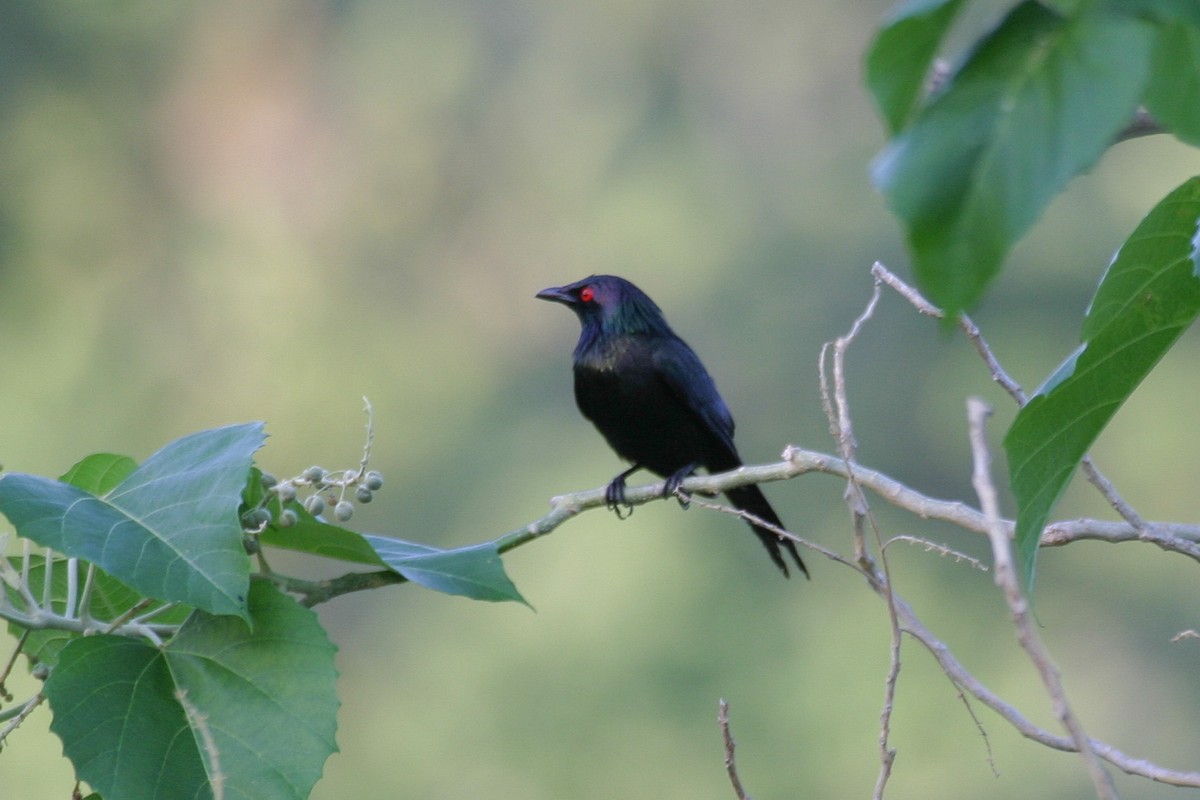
900,58
100,472
1036,103
1173,96
1146,300
169,530
252,709
115,712
475,572
318,538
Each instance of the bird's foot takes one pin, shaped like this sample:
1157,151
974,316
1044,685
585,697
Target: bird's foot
672,487
614,498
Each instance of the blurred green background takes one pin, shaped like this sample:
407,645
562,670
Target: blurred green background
215,212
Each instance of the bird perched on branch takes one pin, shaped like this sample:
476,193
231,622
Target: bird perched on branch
651,398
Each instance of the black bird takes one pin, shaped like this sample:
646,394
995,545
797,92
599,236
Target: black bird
651,398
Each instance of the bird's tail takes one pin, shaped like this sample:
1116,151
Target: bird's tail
750,499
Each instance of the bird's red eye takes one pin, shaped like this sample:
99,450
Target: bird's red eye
587,295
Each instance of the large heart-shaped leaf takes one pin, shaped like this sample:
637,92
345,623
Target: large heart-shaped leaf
250,710
169,529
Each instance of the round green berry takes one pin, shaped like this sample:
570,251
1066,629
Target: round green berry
374,480
343,511
314,505
363,494
257,518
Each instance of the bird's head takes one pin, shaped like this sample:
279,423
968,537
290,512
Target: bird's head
610,304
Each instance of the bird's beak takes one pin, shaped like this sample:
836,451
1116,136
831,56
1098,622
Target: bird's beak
556,294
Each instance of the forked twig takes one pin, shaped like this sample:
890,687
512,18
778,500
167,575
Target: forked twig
836,403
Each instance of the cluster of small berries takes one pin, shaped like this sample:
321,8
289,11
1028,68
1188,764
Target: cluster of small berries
325,488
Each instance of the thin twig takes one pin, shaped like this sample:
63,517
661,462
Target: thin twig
1018,606
1106,488
759,522
837,410
727,740
1006,382
939,548
983,734
20,716
366,456
8,667
129,614
963,678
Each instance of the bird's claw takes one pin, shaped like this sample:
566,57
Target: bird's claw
614,498
672,488
685,499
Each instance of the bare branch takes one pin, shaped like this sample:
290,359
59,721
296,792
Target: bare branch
837,407
1018,606
837,410
20,715
1174,537
1106,488
1001,377
969,328
12,660
727,740
963,678
797,461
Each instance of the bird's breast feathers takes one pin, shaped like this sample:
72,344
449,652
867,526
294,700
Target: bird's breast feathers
610,354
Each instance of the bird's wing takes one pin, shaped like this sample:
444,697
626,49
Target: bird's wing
687,380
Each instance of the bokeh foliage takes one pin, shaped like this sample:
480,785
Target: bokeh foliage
214,212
